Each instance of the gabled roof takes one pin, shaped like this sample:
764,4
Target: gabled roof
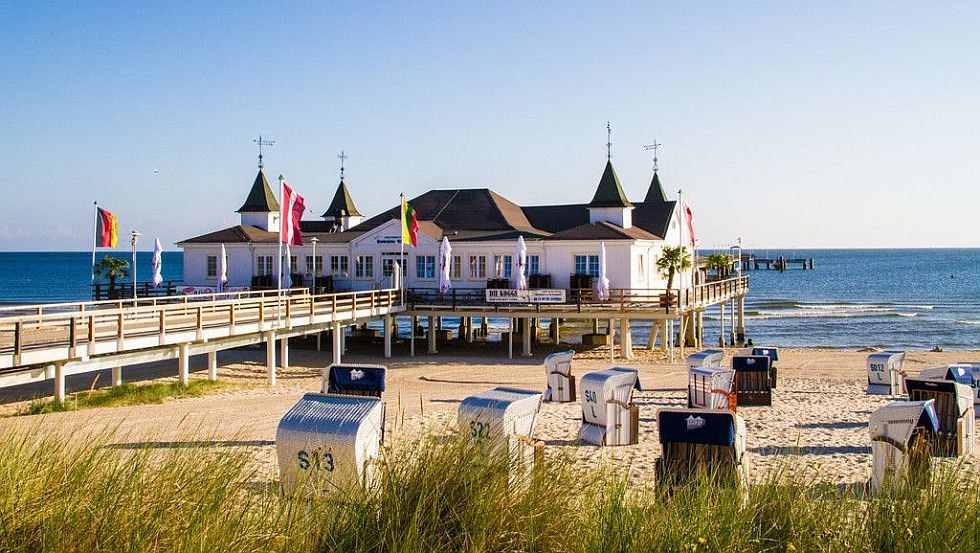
233,235
609,193
654,217
260,198
656,192
342,200
603,230
554,218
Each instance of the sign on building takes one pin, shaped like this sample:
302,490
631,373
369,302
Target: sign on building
504,295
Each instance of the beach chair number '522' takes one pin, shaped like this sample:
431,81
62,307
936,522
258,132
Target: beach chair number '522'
479,431
316,460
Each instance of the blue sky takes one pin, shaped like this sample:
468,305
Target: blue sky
791,124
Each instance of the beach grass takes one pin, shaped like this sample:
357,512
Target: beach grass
107,494
124,394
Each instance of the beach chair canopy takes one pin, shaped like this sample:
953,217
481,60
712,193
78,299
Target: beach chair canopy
709,427
751,363
600,387
500,412
705,358
559,362
356,379
896,422
770,352
962,393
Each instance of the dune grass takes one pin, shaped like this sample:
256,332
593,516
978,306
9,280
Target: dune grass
125,394
87,495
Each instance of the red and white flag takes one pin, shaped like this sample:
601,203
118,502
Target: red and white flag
689,216
291,212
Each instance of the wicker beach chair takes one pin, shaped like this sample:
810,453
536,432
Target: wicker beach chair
900,443
701,443
558,371
954,411
608,414
354,380
711,388
752,380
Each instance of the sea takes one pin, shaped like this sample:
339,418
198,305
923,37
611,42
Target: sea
852,298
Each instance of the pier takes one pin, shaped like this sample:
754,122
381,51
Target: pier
780,263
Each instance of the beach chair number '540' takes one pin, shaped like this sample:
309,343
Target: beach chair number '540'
315,460
590,397
479,431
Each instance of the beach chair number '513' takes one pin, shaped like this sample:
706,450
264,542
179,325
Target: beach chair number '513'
317,460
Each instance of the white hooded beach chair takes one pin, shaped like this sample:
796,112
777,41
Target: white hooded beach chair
503,419
954,409
705,358
886,373
711,388
558,371
332,440
900,443
707,442
608,415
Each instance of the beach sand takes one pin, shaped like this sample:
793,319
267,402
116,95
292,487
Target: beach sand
818,419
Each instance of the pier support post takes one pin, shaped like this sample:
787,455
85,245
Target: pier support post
319,335
670,338
655,328
284,353
612,340
626,338
387,325
685,326
740,332
469,330
59,382
721,320
510,340
527,337
595,326
213,365
184,364
411,340
335,350
270,356
116,376
431,334
731,337
555,330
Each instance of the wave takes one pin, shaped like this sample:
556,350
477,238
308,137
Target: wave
881,314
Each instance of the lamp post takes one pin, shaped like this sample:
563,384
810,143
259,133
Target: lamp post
134,235
314,240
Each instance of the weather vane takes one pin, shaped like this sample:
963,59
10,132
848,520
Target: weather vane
608,142
655,146
261,143
342,157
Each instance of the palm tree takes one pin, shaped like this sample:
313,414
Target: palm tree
111,268
673,259
719,262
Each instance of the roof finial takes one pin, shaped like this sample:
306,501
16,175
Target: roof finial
608,142
342,157
261,143
655,146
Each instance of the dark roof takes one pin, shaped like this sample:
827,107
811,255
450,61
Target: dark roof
260,197
602,230
469,209
341,201
235,234
554,218
609,193
654,217
656,192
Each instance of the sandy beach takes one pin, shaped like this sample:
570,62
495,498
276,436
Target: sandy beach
818,419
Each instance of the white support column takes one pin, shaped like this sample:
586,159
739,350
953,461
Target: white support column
740,333
284,353
116,376
270,356
555,330
683,334
510,340
670,338
343,339
319,335
527,337
652,337
626,338
59,383
721,320
612,341
184,364
335,334
469,330
431,334
411,334
731,337
387,331
213,365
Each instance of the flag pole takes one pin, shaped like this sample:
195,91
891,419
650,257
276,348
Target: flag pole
279,259
95,228
680,237
401,257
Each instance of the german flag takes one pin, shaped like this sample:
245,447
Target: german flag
106,229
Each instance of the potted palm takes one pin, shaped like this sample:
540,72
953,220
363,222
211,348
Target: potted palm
672,259
718,262
112,268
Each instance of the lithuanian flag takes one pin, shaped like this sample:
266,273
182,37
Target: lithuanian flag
106,229
410,225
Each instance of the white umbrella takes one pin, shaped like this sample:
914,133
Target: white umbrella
521,259
287,277
602,284
157,263
222,269
445,258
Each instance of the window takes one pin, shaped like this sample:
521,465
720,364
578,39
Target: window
478,266
642,266
212,266
364,266
456,267
425,266
503,266
319,264
387,267
532,265
338,264
263,265
292,264
587,265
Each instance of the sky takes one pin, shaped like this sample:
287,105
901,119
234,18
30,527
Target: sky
786,124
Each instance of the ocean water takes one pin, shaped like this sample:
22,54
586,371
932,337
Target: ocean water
904,298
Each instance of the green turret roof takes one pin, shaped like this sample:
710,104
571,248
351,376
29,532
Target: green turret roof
260,198
655,194
342,201
609,193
